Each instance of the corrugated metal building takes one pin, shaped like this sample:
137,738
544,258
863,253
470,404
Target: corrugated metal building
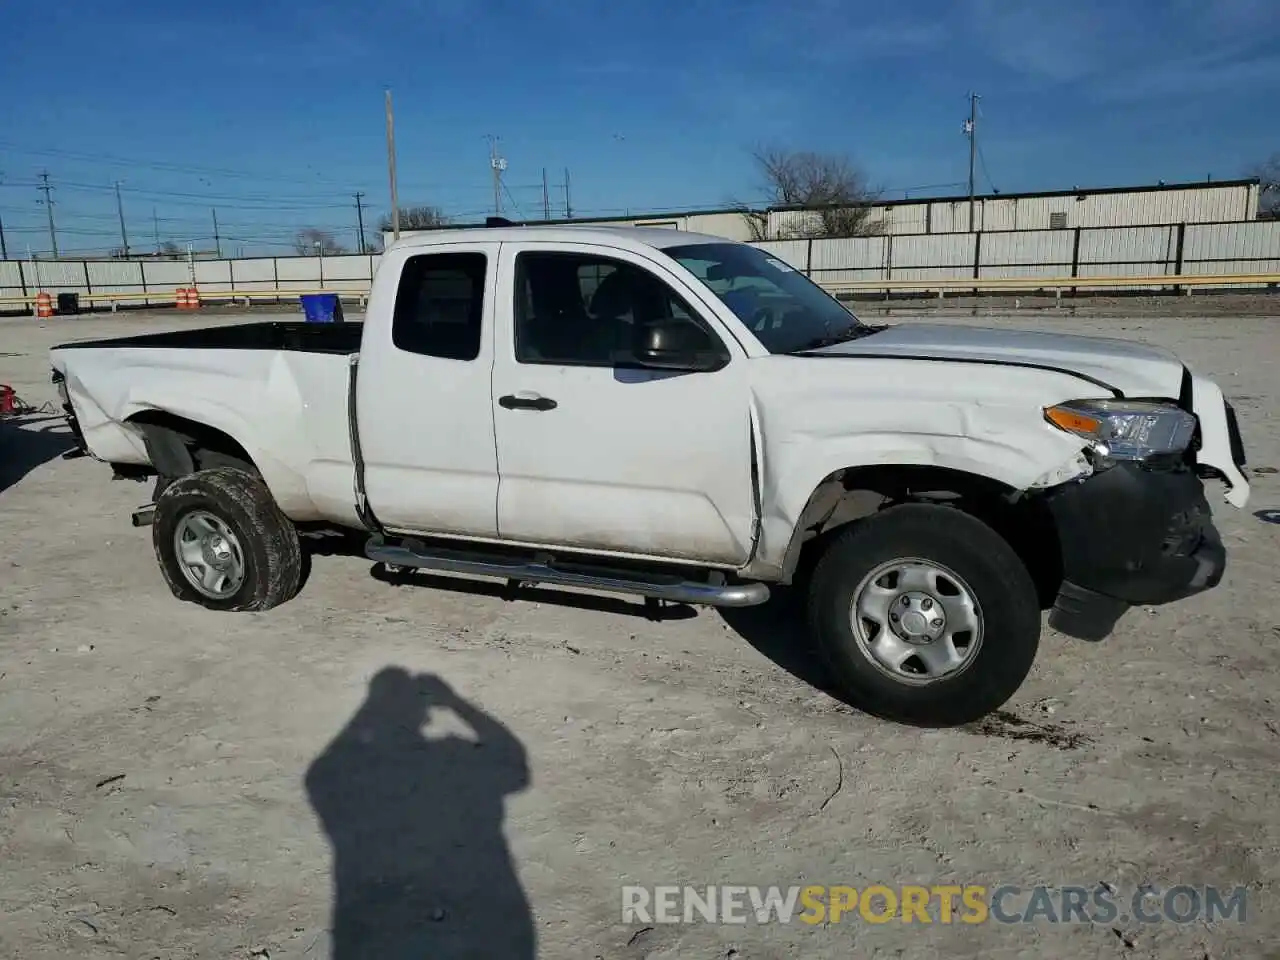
1226,201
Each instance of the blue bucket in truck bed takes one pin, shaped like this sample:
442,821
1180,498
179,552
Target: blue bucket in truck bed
322,307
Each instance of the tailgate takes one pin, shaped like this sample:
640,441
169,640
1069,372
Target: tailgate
69,411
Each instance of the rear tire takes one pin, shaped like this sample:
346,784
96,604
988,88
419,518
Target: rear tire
222,542
947,620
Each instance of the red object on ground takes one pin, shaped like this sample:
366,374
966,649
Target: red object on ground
8,400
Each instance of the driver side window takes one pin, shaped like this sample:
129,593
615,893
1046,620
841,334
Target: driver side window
580,310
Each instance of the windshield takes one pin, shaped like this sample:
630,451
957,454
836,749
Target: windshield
786,310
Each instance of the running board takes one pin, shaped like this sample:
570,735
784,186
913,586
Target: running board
545,569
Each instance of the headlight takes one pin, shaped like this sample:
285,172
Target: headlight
1126,429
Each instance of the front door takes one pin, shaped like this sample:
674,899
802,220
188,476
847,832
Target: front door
595,453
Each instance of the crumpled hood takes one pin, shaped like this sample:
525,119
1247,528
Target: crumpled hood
1135,369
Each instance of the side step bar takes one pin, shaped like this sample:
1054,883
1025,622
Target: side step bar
544,569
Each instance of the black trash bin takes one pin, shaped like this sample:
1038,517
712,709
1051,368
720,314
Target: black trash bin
68,303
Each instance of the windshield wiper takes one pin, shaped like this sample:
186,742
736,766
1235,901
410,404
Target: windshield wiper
856,332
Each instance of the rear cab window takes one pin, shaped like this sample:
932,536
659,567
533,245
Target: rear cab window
439,310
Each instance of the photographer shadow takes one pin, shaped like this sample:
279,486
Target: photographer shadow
421,867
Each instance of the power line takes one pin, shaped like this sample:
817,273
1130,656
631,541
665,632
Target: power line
276,201
514,206
163,165
982,161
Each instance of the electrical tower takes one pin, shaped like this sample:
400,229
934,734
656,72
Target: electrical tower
498,165
47,190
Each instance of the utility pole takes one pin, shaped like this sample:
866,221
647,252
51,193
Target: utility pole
155,222
546,197
4,251
568,207
48,205
217,240
360,218
497,164
391,169
971,130
124,237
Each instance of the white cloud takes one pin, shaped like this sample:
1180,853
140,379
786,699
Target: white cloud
1134,51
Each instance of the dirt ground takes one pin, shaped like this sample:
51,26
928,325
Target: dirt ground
176,783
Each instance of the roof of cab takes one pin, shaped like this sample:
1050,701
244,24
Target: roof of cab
656,237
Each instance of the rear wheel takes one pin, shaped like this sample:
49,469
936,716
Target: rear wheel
924,615
222,542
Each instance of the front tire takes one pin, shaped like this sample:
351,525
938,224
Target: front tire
924,615
222,542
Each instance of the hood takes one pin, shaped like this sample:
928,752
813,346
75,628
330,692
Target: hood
1133,369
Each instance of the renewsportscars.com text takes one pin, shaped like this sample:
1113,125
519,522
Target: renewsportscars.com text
1099,903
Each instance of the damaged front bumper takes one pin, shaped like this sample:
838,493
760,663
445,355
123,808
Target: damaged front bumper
1142,532
1131,535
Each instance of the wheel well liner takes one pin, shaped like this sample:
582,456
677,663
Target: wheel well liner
178,446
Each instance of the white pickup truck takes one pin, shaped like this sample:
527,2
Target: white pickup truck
685,418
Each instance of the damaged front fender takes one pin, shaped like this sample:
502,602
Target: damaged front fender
1077,468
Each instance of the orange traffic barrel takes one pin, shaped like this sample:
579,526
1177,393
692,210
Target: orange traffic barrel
44,305
182,298
193,298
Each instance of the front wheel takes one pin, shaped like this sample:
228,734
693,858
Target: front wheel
222,542
924,615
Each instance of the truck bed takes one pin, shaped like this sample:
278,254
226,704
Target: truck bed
279,390
295,336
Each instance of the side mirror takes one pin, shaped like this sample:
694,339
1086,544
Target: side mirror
671,344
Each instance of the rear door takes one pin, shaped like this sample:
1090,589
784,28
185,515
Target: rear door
594,453
424,398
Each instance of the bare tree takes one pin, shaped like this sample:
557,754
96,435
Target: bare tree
1268,174
417,218
311,240
832,192
757,221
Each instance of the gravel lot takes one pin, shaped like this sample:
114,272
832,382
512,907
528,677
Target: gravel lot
174,783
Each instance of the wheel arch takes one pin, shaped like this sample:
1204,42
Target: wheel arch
851,493
178,445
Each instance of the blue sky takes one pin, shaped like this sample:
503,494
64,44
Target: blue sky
272,112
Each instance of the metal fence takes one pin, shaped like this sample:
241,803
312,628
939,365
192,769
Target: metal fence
24,278
1247,248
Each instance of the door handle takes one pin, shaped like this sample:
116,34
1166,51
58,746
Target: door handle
526,402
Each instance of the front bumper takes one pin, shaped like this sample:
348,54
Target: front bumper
1130,535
